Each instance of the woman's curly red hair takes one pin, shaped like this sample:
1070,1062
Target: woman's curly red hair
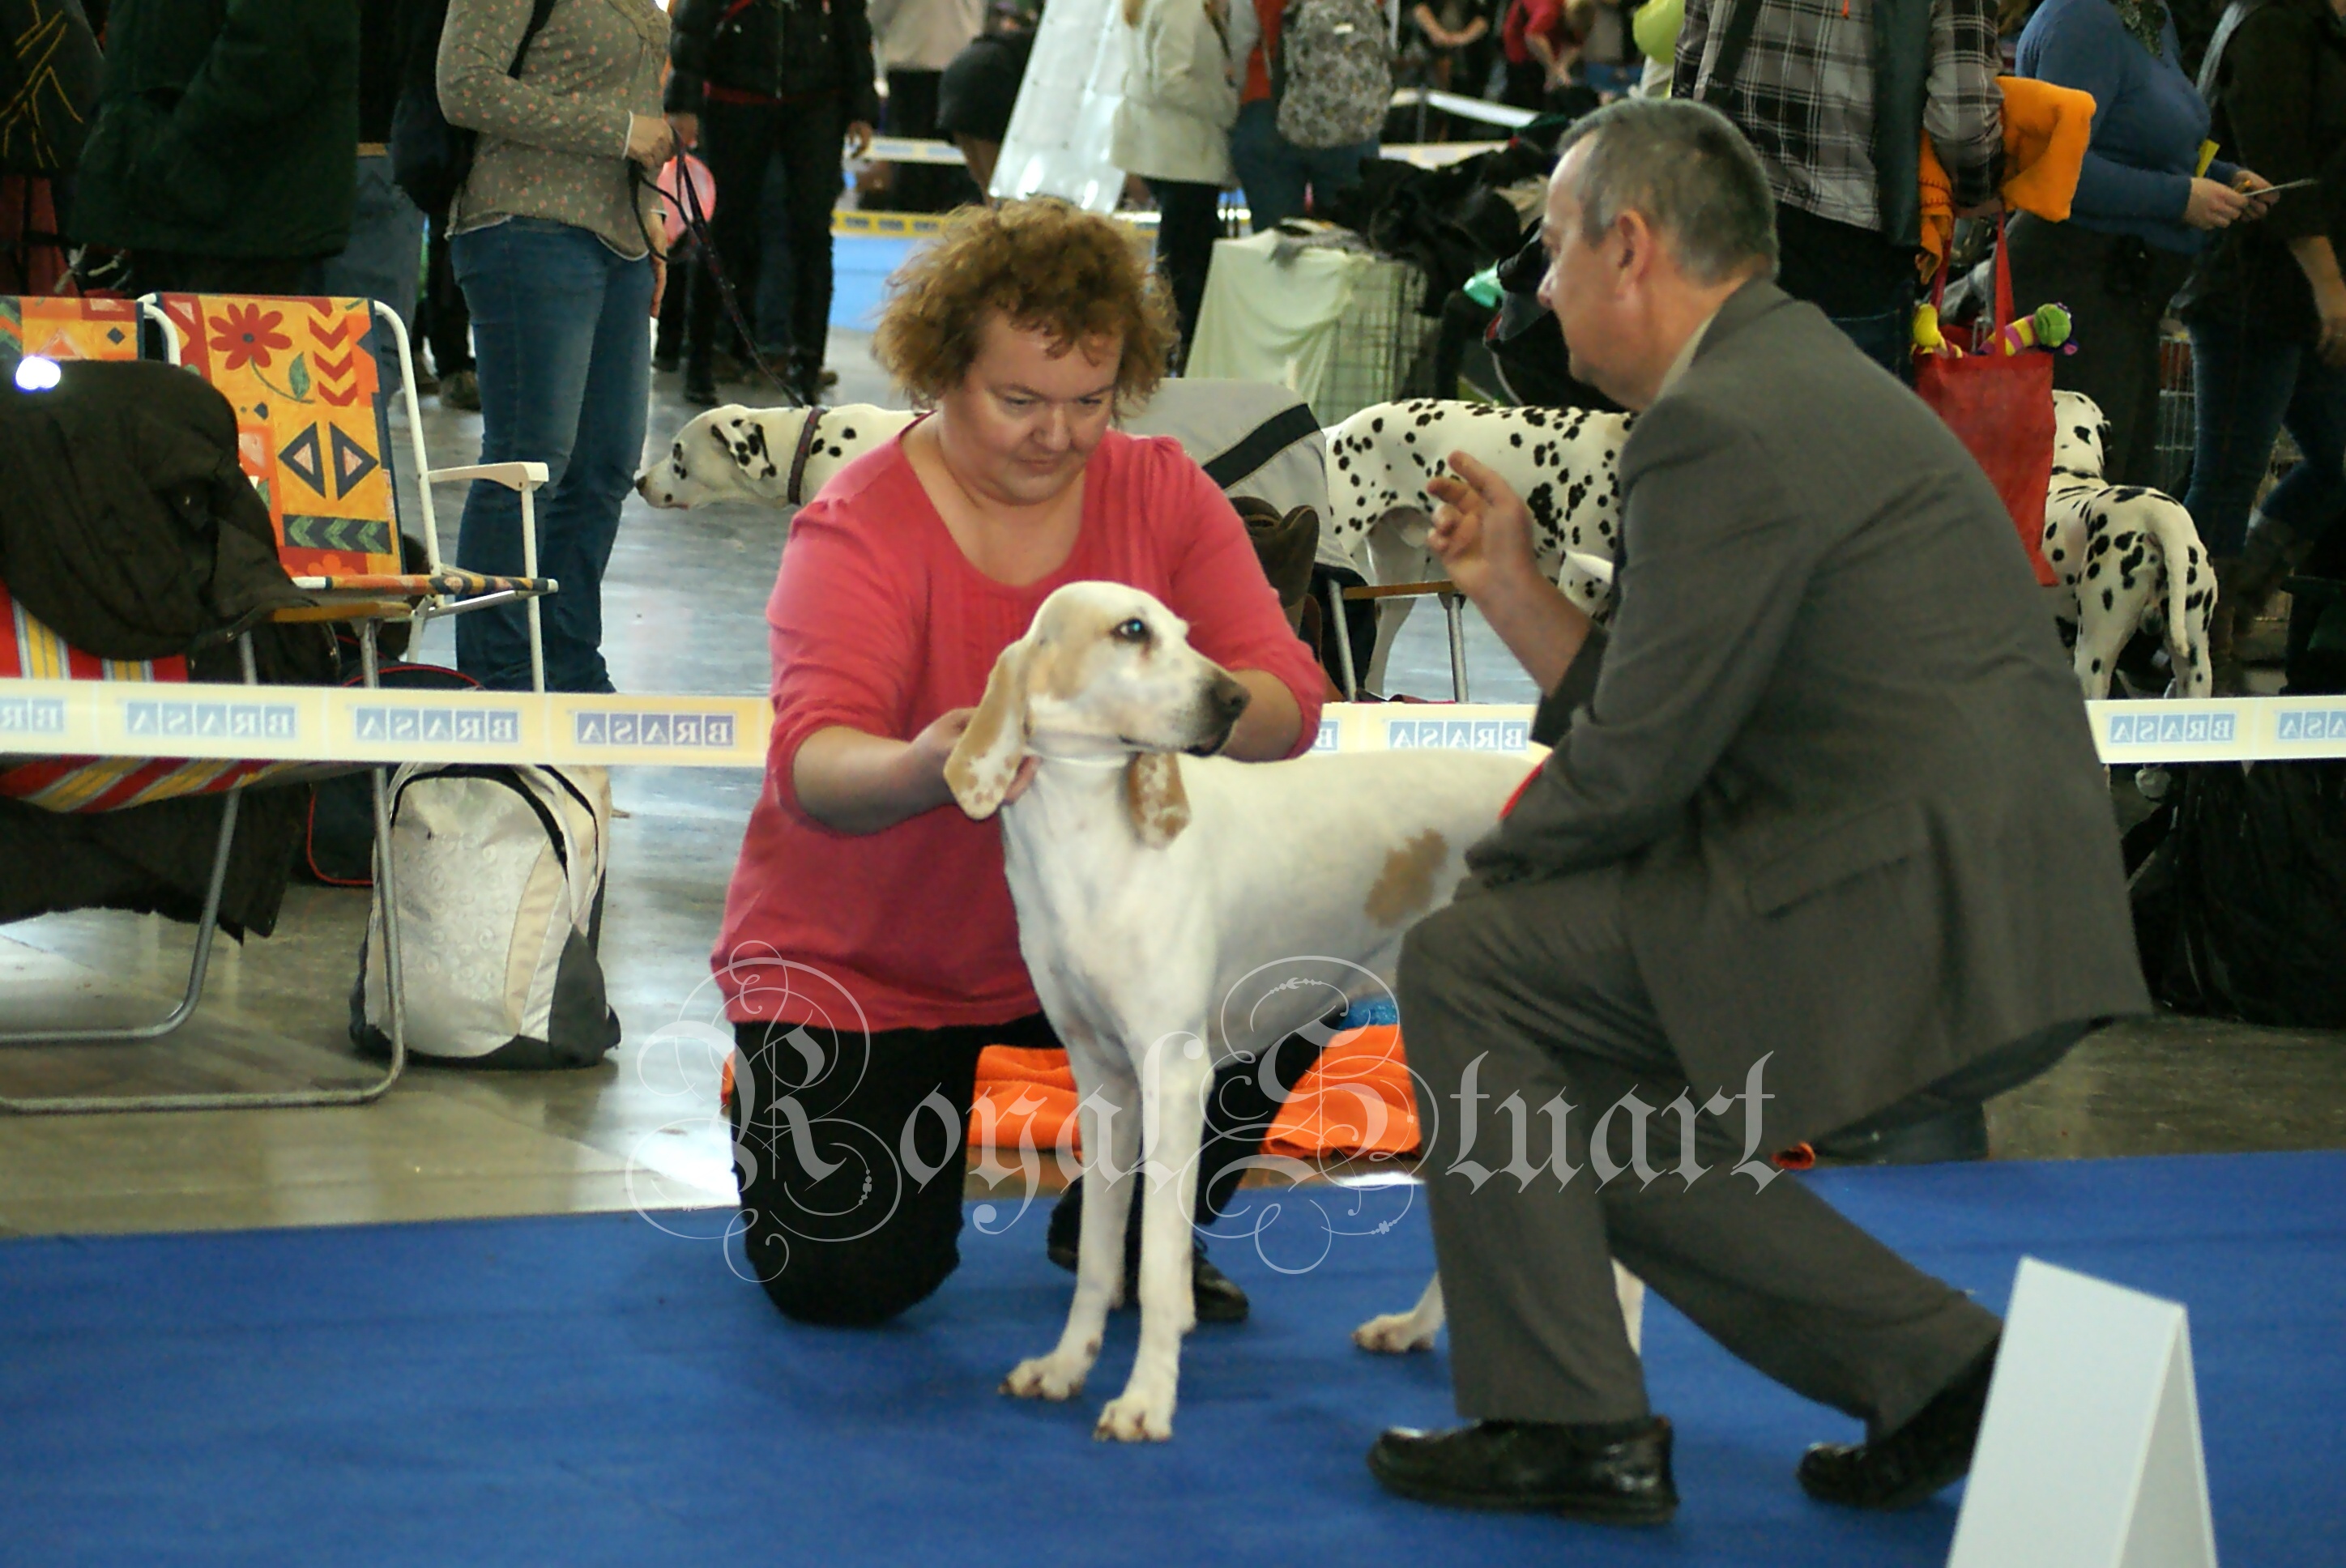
1043,264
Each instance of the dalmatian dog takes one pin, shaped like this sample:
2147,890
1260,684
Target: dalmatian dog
773,456
2129,558
1564,462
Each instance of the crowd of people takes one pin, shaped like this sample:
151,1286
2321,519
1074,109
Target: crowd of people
251,147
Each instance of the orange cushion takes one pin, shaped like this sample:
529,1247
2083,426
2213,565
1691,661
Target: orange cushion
1356,1100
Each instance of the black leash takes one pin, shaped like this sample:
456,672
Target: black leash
696,223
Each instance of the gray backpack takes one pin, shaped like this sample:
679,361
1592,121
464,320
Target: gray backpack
1335,70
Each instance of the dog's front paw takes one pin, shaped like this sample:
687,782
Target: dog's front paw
1048,1376
1134,1418
1395,1334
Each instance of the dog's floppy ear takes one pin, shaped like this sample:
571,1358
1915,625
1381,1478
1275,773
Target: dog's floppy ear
1154,799
986,756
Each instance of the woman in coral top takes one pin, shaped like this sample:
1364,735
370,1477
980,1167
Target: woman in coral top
869,949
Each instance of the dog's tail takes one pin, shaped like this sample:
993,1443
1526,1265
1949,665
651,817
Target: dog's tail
2187,569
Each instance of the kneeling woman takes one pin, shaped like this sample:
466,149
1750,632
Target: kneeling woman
869,949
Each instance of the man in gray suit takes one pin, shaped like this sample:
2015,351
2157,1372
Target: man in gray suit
1823,841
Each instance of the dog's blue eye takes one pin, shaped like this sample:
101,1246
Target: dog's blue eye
1135,630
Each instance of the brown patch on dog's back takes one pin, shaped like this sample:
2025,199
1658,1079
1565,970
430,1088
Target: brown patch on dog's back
1405,887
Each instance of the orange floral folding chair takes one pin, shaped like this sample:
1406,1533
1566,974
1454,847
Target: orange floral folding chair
314,438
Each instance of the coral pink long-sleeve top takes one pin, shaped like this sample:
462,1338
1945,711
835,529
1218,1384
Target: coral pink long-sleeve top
878,621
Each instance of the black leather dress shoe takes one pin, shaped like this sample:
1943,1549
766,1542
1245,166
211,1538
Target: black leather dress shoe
1902,1468
1615,1472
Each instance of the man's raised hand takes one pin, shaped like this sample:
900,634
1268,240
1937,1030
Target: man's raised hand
1481,531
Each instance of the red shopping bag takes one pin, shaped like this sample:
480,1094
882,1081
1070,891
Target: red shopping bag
2001,406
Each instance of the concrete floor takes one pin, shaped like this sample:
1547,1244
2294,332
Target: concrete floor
683,606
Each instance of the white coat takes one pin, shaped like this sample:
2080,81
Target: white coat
1179,101
923,35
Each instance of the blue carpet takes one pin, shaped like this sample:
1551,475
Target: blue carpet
859,265
598,1389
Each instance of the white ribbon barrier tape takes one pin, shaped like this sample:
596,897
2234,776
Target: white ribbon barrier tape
335,724
2242,729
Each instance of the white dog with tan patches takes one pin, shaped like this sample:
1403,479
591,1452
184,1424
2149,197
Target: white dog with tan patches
1168,901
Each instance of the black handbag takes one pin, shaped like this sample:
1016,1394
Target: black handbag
430,158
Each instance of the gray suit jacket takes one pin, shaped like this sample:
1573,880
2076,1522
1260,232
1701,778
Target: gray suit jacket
1832,738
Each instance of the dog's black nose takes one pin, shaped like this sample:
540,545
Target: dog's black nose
1229,698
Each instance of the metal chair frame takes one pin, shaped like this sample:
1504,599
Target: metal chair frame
367,608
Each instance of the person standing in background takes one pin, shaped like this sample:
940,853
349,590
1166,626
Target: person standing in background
756,82
1837,97
1277,174
916,40
979,89
1173,130
384,259
1448,46
2266,310
2141,213
223,157
553,236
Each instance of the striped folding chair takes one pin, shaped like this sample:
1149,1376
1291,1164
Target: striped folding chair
314,437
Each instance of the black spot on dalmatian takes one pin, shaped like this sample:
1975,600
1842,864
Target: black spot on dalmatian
2109,599
1343,463
1377,425
838,452
2128,492
847,435
1515,438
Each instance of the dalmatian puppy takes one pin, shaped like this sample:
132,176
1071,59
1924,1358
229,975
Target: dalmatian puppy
1564,462
2129,558
775,456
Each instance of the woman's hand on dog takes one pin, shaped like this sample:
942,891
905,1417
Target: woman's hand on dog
855,782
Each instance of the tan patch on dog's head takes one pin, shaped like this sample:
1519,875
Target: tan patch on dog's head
1076,632
1154,799
1405,887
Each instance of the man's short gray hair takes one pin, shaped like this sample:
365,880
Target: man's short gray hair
1689,171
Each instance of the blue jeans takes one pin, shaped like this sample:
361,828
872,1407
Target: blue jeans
2246,387
562,343
1275,171
384,258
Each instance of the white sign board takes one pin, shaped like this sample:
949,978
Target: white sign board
2089,1453
1058,138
